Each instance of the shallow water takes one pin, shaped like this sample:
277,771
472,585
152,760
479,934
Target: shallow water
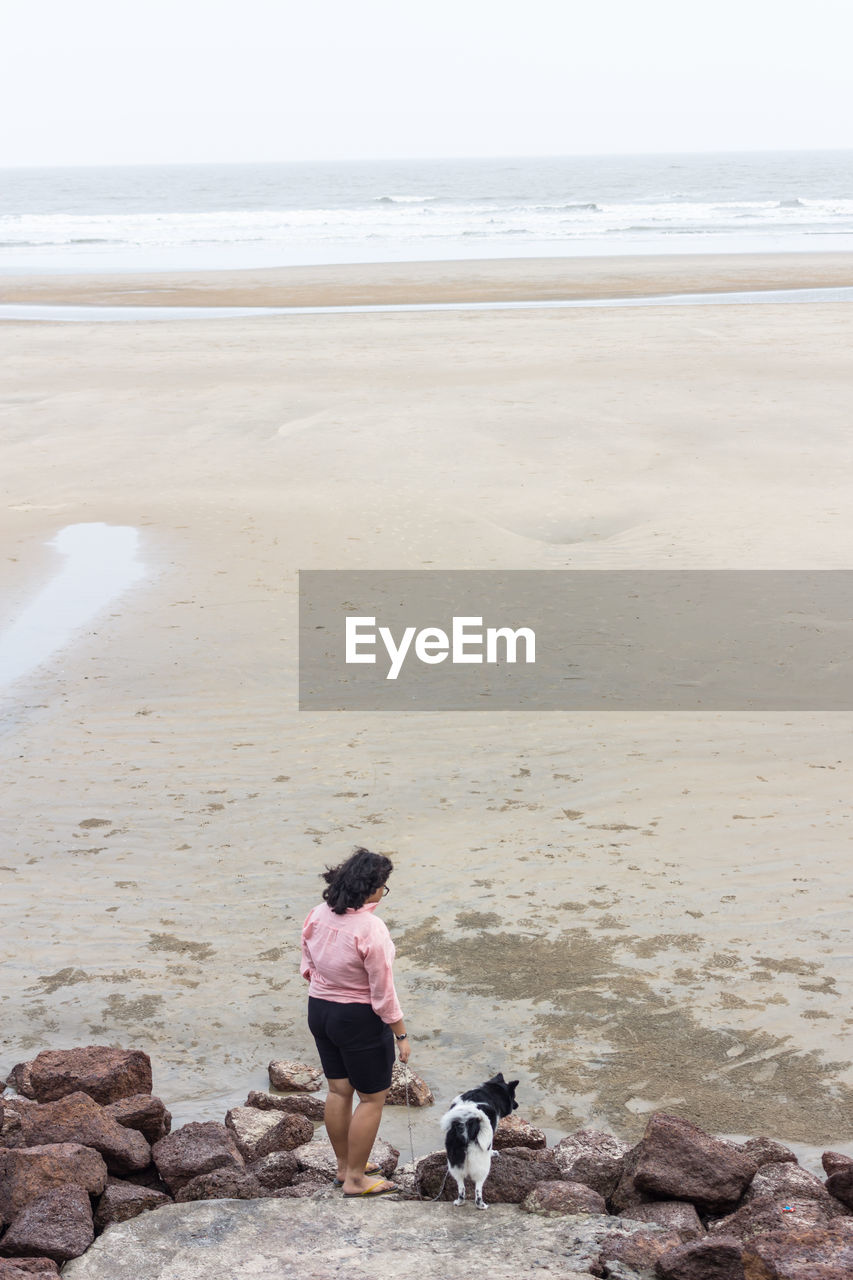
27,311
100,562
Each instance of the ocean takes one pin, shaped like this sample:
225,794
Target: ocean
203,217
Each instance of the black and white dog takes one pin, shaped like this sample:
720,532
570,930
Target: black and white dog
469,1127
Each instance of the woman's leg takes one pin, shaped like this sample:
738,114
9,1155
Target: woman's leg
363,1129
337,1117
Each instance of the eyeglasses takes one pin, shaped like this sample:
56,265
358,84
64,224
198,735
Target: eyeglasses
385,891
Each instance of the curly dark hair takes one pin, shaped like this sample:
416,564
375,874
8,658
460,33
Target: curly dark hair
352,882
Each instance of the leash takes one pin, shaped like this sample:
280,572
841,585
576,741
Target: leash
431,1199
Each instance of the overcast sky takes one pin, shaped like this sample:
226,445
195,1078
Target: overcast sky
121,81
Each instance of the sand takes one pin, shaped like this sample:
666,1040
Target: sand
626,911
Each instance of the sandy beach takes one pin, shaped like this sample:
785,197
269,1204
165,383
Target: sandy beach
628,912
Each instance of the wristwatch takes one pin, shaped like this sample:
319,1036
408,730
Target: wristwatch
404,1036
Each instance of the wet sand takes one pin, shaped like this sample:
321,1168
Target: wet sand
627,911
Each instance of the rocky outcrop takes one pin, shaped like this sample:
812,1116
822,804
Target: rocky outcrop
673,1215
675,1160
194,1149
512,1131
419,1092
143,1112
259,1133
57,1225
76,1117
30,1172
295,1077
104,1073
319,1161
122,1201
717,1259
295,1104
552,1198
825,1254
592,1157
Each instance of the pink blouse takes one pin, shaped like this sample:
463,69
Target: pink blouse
348,958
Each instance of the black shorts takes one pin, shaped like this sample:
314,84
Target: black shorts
353,1043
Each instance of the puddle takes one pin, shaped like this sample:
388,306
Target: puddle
22,311
100,562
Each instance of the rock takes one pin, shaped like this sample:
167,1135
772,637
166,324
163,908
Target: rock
144,1112
626,1196
835,1162
295,1076
512,1131
840,1186
787,1183
78,1118
222,1184
592,1157
149,1178
295,1104
674,1215
258,1133
513,1175
318,1159
678,1161
195,1149
30,1172
35,1268
637,1250
276,1170
552,1198
822,1254
57,1225
766,1151
326,1237
305,1191
19,1078
765,1215
420,1094
105,1074
717,1259
123,1200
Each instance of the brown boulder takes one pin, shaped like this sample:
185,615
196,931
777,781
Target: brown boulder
192,1150
124,1200
57,1225
766,1215
513,1176
766,1151
105,1074
626,1195
259,1133
557,1198
30,1172
144,1112
419,1092
222,1184
592,1157
295,1077
512,1131
19,1078
835,1162
675,1215
35,1268
707,1259
676,1160
639,1251
276,1170
78,1118
823,1254
294,1104
787,1183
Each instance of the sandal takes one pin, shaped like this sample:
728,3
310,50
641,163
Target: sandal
368,1168
375,1189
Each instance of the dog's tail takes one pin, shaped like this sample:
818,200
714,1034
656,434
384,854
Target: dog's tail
463,1125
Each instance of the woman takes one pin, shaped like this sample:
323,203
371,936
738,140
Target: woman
353,1011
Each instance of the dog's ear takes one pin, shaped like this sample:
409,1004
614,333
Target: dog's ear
498,1079
512,1084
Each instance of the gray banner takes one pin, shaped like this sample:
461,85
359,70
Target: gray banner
542,640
